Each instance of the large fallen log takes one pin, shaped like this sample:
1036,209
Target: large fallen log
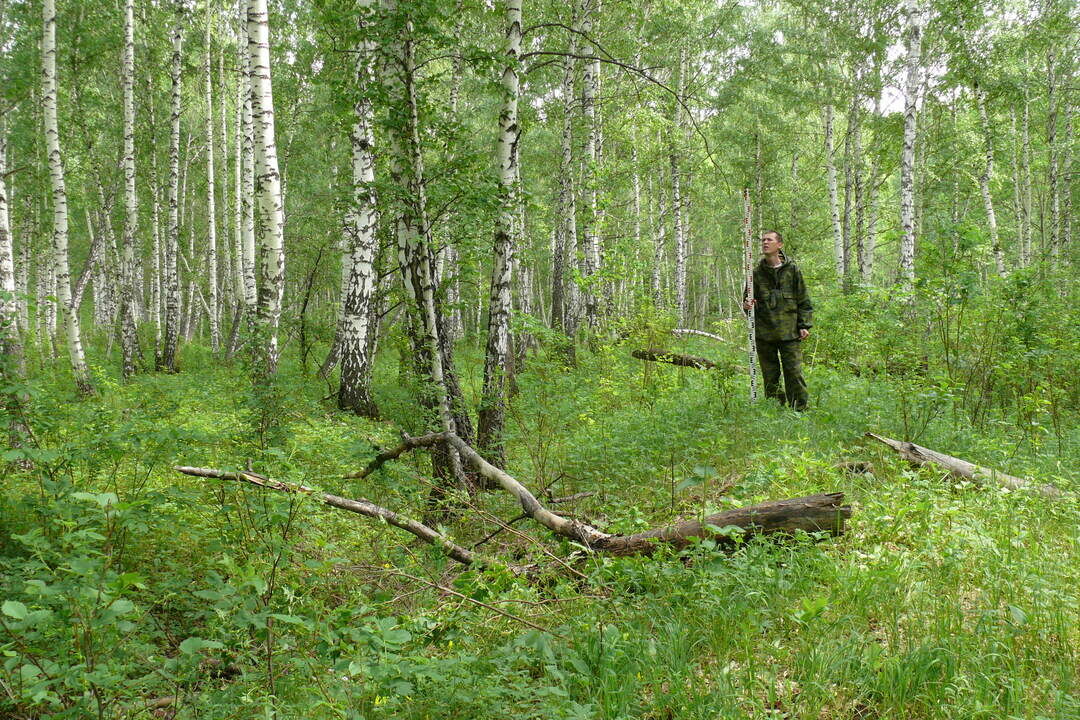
815,513
674,358
919,455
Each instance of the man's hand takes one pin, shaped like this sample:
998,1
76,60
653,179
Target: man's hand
749,304
803,333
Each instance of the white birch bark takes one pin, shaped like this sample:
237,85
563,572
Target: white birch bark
590,228
358,270
8,304
1052,154
677,200
834,200
211,209
68,314
270,202
129,339
171,279
913,48
414,245
498,359
156,265
563,289
1025,167
866,269
246,158
659,240
984,184
858,181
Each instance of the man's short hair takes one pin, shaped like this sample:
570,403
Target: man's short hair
773,232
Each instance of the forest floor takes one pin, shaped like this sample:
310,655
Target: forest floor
126,583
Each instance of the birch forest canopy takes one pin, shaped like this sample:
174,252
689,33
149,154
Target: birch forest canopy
388,358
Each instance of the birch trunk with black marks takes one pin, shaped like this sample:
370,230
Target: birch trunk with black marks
129,338
858,181
590,218
659,241
172,238
68,314
156,265
498,358
913,48
834,200
677,195
564,310
358,269
1025,168
271,223
866,268
1052,154
245,156
414,244
984,184
214,297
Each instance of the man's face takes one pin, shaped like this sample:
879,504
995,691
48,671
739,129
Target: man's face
770,245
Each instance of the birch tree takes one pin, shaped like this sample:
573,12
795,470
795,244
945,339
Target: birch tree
358,271
68,313
834,200
498,357
271,222
590,229
129,339
984,183
913,49
563,290
172,240
211,210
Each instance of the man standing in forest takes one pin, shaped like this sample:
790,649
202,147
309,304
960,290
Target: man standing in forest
783,318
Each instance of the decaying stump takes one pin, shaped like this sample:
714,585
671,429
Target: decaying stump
963,469
675,358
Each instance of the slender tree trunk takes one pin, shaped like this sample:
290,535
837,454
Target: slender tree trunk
564,309
211,199
358,292
677,217
659,240
1025,167
984,184
913,47
834,201
271,206
1052,154
12,367
246,158
129,338
68,313
859,189
172,240
414,243
866,269
498,358
590,225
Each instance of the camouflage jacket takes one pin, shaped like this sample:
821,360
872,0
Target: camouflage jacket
783,305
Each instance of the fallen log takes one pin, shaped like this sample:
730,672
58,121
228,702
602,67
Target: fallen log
815,513
674,358
919,455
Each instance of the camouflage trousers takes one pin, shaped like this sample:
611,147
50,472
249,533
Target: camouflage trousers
785,356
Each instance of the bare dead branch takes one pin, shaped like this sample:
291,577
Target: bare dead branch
963,469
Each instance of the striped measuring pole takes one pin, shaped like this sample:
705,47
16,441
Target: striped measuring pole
748,267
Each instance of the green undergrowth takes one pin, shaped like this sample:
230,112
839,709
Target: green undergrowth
124,582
